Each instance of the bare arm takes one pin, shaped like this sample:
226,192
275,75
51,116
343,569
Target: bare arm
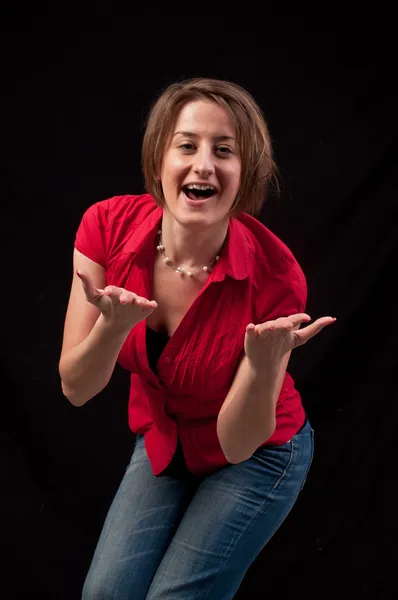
86,369
98,321
247,417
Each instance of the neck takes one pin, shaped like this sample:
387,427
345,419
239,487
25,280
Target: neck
192,248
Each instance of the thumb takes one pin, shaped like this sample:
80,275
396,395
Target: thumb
89,289
251,330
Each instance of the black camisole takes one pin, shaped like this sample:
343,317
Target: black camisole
155,344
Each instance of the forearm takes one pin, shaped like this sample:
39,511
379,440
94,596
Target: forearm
87,368
247,417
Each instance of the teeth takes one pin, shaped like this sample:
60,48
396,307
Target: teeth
196,186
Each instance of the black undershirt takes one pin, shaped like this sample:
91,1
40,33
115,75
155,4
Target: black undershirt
155,344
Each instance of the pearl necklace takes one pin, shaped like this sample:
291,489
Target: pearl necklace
179,270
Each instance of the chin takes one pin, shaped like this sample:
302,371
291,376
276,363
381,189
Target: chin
197,215
195,222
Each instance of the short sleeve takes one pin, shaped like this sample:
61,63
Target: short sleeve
93,233
289,295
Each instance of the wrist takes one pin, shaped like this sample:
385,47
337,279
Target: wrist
111,329
264,371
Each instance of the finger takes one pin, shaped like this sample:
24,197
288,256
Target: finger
303,335
127,297
113,293
281,324
298,319
149,307
124,298
131,298
268,326
145,303
139,301
251,330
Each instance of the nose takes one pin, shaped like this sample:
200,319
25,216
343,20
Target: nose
204,162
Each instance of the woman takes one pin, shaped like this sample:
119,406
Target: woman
202,304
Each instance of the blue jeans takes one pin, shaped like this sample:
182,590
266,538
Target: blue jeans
179,537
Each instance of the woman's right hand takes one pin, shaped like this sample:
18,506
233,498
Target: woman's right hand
120,308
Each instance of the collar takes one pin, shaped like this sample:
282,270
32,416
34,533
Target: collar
144,234
234,260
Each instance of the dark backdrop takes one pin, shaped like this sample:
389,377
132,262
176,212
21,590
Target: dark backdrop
74,104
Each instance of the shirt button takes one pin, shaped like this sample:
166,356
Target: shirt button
167,361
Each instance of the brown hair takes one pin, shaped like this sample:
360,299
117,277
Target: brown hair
258,167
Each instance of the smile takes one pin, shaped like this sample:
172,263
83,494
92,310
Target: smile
195,191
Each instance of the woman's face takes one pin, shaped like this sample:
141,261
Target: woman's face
201,167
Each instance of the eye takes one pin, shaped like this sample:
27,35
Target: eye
224,150
187,146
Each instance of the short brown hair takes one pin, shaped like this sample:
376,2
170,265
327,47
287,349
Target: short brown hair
258,167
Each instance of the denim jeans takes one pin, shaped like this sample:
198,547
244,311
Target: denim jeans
178,537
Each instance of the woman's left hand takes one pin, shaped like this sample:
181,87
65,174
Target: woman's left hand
268,342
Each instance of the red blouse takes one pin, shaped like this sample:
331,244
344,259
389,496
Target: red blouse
256,279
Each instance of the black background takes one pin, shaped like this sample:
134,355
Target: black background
74,104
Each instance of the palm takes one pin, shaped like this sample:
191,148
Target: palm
273,339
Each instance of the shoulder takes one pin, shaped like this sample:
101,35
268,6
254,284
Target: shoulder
117,217
134,208
107,224
266,251
275,272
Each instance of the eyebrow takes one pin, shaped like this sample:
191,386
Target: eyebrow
217,137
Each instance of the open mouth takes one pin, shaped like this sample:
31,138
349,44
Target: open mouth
199,192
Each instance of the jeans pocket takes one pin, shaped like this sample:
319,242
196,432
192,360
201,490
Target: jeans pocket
276,460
